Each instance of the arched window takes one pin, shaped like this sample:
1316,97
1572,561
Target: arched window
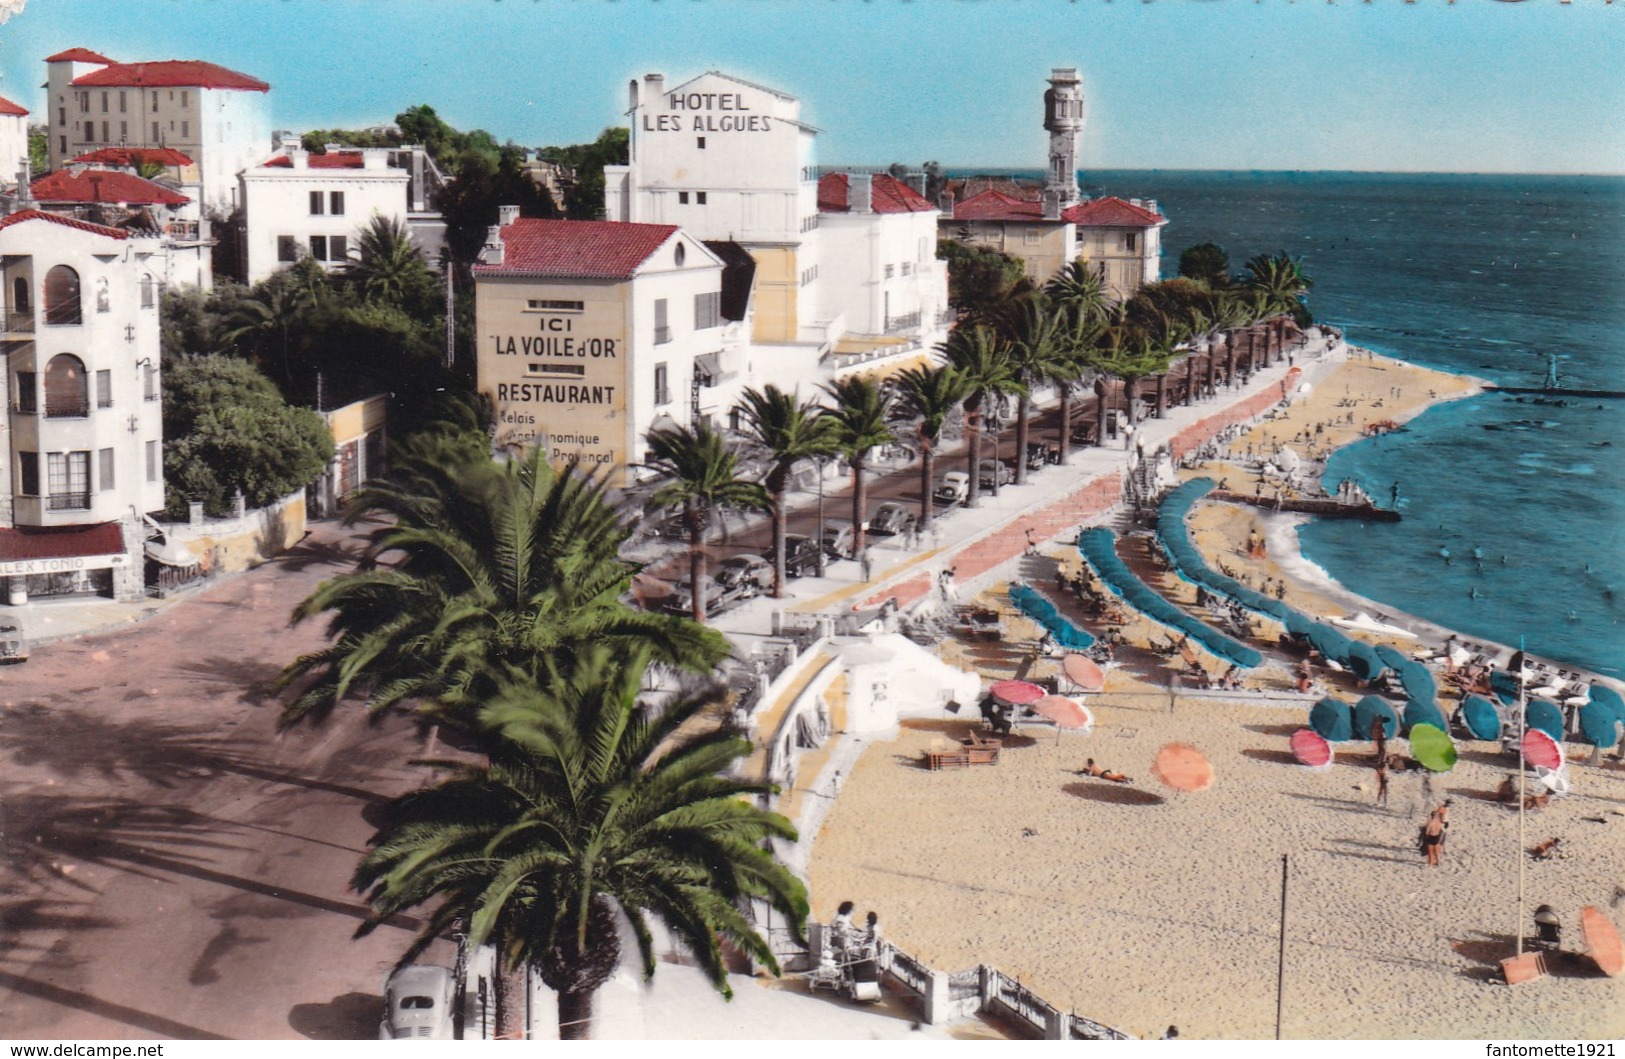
67,388
62,296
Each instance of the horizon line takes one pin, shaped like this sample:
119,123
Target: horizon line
947,167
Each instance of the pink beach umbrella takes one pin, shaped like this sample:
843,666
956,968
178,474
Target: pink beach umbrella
1311,748
1541,750
1083,672
1065,712
1016,692
1183,767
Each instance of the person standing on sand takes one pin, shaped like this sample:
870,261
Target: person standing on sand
1382,780
1433,833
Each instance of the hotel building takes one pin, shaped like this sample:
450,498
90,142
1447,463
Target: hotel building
13,141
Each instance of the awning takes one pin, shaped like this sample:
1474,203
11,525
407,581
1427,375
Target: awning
30,550
171,553
708,366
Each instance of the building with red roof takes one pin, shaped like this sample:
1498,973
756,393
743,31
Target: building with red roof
214,116
85,187
593,332
134,157
13,141
879,249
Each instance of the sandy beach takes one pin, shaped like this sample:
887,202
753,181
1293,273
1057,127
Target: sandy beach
1143,907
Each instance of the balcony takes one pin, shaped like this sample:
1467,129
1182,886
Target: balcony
896,325
18,320
70,408
68,501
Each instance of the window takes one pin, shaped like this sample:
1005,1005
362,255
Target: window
67,388
149,383
699,141
68,479
891,270
682,198
186,99
28,472
104,102
152,461
104,389
662,325
104,470
680,254
62,116
335,203
287,248
62,296
62,144
1033,235
338,249
156,135
19,294
123,131
123,102
27,392
908,268
662,390
318,203
155,105
107,132
551,305
699,197
84,102
318,247
186,129
1130,239
146,292
707,310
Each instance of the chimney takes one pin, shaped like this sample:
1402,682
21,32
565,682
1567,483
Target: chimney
299,158
1151,204
25,182
492,252
949,201
632,94
860,193
374,158
656,84
917,182
506,215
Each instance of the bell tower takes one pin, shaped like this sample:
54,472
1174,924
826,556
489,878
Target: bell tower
1063,117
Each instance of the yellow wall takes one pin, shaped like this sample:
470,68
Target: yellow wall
777,283
1039,246
357,419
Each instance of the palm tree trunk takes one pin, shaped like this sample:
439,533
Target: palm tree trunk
928,461
781,525
973,428
575,1015
860,504
1229,360
1066,422
1102,393
1131,384
1211,364
1162,395
696,565
1023,409
1190,380
510,1001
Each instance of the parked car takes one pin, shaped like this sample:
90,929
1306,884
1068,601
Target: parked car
672,527
681,600
748,574
993,473
800,555
838,539
13,644
418,1004
953,489
891,519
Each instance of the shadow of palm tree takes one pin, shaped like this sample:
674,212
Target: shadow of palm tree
349,1017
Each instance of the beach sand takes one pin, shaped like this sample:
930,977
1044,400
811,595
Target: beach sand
1143,907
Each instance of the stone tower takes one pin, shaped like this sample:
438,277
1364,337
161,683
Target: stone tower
1063,117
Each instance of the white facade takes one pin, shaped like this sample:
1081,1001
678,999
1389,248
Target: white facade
13,141
81,382
224,130
317,206
881,271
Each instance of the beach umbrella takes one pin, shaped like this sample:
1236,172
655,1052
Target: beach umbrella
1369,709
1417,712
1541,750
1432,748
1602,941
1363,659
1082,671
1065,712
1599,724
1554,780
1604,694
1016,692
1546,717
1332,719
1483,722
1183,767
1310,748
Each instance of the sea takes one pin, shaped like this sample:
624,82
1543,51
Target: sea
1490,276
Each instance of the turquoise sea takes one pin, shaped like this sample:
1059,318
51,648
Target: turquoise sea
1484,275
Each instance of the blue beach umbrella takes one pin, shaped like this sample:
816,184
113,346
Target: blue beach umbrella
1482,720
1332,720
1369,709
1391,656
1598,724
1608,696
1545,716
1418,712
1364,661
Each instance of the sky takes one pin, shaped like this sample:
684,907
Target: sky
1432,86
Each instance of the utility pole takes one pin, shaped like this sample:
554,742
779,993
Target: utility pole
451,305
1280,959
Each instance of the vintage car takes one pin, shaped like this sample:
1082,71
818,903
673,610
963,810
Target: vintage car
891,519
800,555
418,1004
954,488
747,574
839,539
13,644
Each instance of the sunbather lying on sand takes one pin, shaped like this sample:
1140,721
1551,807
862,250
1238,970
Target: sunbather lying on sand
1091,769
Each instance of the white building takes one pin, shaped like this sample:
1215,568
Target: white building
84,446
590,333
726,159
881,272
299,204
215,116
13,140
118,198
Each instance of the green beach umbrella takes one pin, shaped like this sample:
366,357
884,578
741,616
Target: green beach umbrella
1432,748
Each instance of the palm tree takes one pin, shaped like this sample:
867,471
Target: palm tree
1036,336
790,431
1077,289
1073,363
979,355
598,807
1283,286
702,476
491,567
390,267
1129,355
261,324
860,420
927,397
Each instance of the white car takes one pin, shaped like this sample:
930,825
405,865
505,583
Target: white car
418,1004
954,488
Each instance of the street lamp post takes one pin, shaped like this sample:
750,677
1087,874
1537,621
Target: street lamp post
820,542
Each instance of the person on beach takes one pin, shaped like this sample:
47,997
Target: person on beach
1095,771
1433,833
1382,779
841,930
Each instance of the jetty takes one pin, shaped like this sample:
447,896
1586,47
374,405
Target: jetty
1323,507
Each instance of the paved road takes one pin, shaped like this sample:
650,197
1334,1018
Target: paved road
172,866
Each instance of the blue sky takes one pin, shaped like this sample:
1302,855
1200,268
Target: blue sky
1474,86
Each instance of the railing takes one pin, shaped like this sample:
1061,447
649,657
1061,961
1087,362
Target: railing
947,316
906,322
68,501
65,311
19,320
907,969
1022,1002
70,409
181,230
663,395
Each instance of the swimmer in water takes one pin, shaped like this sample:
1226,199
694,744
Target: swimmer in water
1473,593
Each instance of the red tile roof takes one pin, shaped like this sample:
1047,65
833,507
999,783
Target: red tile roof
8,107
134,156
67,222
78,55
993,205
66,542
338,160
1112,212
887,194
103,185
171,73
577,249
